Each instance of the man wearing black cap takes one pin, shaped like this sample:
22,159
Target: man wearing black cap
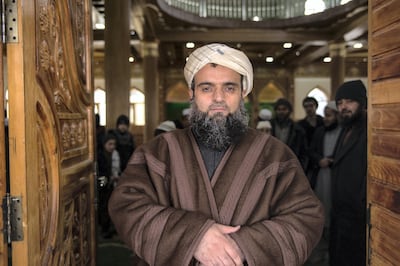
349,174
289,132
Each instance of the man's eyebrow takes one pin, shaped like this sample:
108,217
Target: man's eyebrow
228,83
205,83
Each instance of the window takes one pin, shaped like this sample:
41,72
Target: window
100,104
136,107
321,98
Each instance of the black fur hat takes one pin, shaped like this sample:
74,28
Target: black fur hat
353,90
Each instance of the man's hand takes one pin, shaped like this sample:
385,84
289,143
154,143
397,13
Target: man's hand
325,162
218,248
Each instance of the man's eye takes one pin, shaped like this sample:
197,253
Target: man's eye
206,89
230,89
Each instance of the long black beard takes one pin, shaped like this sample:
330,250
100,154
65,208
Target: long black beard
219,132
354,118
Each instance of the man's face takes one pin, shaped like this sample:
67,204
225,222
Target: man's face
217,90
110,145
282,112
348,109
310,108
123,128
329,117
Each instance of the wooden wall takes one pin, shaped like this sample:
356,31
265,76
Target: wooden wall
384,132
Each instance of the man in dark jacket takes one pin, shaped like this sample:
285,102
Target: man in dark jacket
349,174
289,132
125,140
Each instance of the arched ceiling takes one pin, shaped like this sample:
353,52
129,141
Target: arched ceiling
310,35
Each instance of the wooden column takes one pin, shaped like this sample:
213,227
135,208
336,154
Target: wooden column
116,63
337,52
151,87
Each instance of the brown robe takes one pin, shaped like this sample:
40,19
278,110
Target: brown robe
165,202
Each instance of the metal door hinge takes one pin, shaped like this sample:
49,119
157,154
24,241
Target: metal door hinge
12,219
9,21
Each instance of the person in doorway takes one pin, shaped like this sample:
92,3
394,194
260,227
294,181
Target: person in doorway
321,157
349,178
218,192
289,132
108,163
312,120
125,140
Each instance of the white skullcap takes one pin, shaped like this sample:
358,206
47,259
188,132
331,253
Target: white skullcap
265,114
167,126
263,124
223,55
332,105
186,111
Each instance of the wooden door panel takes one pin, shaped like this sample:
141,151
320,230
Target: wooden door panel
385,238
384,170
383,186
3,181
52,102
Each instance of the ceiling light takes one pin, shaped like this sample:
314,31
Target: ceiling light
287,45
131,59
269,59
190,45
357,45
327,59
313,7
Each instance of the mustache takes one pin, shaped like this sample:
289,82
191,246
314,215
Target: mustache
217,105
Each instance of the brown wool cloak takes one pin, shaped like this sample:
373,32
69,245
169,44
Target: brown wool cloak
165,202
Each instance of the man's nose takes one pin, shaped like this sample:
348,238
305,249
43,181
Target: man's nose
219,94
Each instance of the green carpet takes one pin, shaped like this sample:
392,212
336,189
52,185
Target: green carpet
112,252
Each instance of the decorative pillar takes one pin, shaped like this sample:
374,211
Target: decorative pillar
116,60
337,53
151,89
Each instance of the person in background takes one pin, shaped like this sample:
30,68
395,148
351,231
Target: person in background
185,117
218,192
108,163
349,178
289,132
321,157
264,115
100,133
263,123
312,120
264,126
125,140
165,126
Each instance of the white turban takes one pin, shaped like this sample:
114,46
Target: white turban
265,114
332,105
223,55
167,126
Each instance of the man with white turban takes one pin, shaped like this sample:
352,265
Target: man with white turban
217,192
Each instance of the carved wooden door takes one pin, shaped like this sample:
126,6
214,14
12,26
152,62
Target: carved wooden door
384,132
51,132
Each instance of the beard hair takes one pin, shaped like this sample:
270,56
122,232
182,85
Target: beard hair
218,132
349,120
